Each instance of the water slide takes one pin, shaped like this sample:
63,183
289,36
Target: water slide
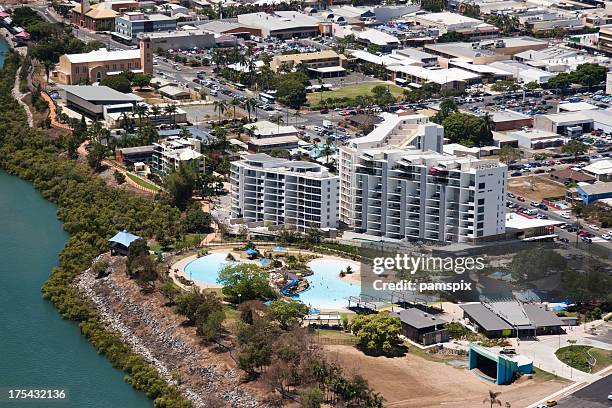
285,289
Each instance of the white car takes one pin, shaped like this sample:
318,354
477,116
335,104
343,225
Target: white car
607,237
593,226
565,215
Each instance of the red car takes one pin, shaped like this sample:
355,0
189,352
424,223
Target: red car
520,198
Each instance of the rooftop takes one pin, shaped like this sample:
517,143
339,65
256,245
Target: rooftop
418,319
103,55
599,167
485,317
99,93
596,188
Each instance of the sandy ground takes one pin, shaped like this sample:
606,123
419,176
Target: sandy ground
543,187
412,381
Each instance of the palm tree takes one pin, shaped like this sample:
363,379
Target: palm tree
220,108
126,121
155,111
492,399
234,103
48,66
296,115
140,110
327,150
251,105
279,121
171,109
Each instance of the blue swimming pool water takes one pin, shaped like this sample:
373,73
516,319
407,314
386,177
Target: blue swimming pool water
327,290
206,269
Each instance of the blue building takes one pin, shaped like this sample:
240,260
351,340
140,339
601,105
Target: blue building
129,25
498,368
589,193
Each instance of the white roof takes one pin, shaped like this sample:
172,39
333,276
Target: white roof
576,106
520,222
479,68
377,37
599,167
439,76
103,54
448,18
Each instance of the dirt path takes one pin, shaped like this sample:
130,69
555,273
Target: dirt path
19,96
412,381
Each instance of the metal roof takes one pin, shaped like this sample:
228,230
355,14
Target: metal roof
484,317
418,319
99,93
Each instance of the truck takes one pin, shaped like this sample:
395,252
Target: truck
327,124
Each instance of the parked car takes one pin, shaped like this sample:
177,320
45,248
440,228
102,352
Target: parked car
607,237
565,215
520,198
594,226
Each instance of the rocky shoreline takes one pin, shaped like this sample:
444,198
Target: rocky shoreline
201,375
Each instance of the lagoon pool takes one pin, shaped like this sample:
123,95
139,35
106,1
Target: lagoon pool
206,269
327,290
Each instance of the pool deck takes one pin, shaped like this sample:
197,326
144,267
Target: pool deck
179,266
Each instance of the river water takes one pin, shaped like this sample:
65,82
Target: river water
39,350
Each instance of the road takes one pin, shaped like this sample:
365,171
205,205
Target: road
591,396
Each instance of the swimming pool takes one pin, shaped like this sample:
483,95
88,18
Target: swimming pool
206,268
327,290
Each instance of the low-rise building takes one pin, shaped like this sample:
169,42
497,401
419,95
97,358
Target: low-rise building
267,144
601,170
128,156
509,120
575,123
94,101
281,24
272,191
181,39
173,152
421,327
537,139
94,66
486,51
385,42
131,24
100,16
325,63
453,22
590,193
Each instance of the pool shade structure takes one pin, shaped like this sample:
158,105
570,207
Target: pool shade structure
495,367
121,242
279,249
251,252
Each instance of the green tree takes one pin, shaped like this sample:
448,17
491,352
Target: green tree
469,130
447,106
377,333
575,147
96,152
180,184
196,220
492,399
118,83
508,153
119,177
292,93
140,264
142,80
244,282
288,314
311,397
453,36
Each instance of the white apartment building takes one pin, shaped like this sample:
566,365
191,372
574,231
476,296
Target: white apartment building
270,191
396,183
171,153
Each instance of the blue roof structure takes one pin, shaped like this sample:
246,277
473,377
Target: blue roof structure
124,238
251,251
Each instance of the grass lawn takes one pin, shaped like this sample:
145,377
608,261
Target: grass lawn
142,182
351,91
576,356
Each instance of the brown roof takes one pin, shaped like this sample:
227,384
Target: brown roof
569,174
364,120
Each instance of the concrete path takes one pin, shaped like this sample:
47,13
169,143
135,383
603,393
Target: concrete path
542,352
